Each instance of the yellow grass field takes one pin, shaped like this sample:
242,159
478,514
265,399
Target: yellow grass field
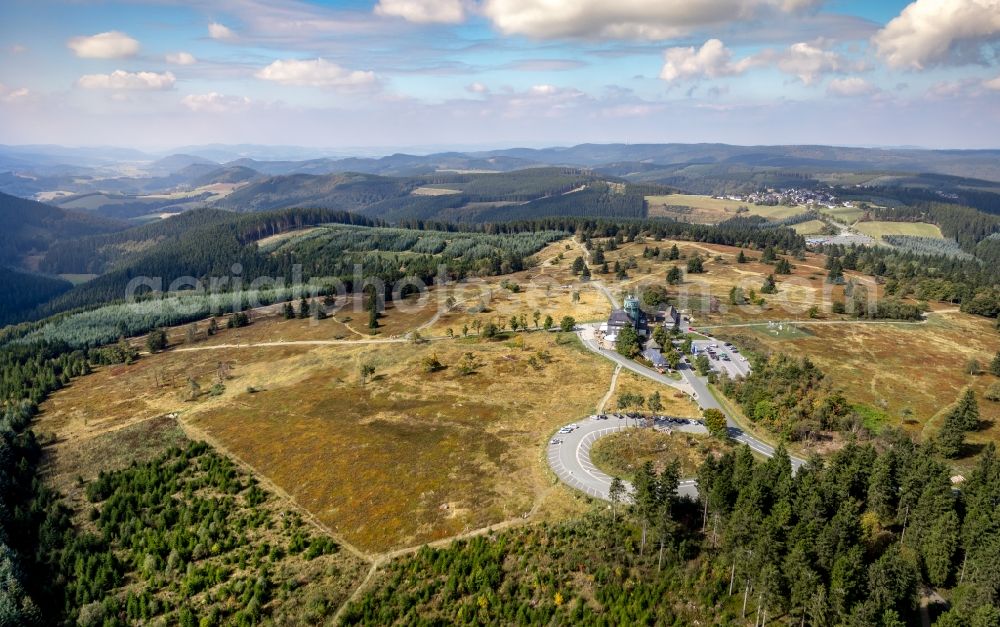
848,215
676,404
708,210
434,191
810,227
622,454
409,457
878,229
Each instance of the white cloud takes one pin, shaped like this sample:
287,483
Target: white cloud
478,88
712,60
214,102
543,90
10,95
993,83
121,80
850,87
624,19
17,49
809,62
932,31
315,73
220,31
806,61
181,58
947,90
423,11
109,45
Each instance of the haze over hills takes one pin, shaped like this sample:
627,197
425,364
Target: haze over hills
127,184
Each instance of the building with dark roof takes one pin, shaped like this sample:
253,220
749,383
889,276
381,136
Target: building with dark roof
629,316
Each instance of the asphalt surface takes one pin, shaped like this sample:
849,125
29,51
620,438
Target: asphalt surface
570,458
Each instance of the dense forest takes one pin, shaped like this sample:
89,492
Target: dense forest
970,282
849,541
790,397
24,291
27,227
201,247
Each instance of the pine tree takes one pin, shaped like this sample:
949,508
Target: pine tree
741,258
995,365
968,410
674,276
952,436
769,287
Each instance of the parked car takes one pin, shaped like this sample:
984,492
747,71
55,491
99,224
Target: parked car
555,441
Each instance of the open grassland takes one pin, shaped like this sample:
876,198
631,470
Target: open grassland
878,229
434,191
902,374
409,457
809,227
676,404
622,454
708,210
848,215
797,292
547,288
271,241
77,279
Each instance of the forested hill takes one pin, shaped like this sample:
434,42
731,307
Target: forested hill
96,254
453,196
29,227
197,244
347,192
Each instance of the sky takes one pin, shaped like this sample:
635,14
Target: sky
422,75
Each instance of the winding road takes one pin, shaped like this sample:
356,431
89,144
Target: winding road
570,458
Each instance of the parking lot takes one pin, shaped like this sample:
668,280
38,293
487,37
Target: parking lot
727,358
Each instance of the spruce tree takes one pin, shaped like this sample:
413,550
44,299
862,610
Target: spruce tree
952,436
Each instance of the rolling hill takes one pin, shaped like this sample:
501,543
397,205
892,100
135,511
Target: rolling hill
29,228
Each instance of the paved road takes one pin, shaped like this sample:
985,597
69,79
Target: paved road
570,459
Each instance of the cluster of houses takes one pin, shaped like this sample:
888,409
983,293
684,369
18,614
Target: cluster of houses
793,196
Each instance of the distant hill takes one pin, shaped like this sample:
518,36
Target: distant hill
176,163
28,227
345,192
451,196
227,174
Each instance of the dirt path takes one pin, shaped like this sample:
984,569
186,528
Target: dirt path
397,340
611,390
811,323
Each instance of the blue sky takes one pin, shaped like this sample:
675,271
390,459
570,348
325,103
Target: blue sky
427,74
